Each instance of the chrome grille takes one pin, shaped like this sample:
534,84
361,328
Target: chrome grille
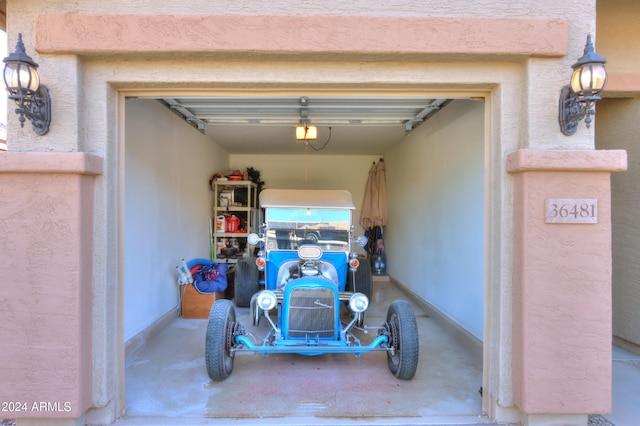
312,313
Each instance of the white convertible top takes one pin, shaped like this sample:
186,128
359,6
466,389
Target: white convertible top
307,198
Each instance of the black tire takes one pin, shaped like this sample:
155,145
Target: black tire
363,280
245,281
220,340
403,339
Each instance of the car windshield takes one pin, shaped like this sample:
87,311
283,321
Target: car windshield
289,228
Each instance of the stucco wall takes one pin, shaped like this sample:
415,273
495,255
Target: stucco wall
435,236
618,128
518,63
167,206
618,31
46,270
562,279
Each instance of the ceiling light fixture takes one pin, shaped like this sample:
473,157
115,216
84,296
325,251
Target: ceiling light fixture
23,84
578,98
305,132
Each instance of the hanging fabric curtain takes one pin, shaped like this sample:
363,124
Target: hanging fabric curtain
374,204
381,195
374,207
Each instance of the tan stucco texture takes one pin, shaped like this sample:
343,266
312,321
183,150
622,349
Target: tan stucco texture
543,37
562,282
46,235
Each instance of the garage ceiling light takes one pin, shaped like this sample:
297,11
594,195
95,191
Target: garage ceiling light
306,133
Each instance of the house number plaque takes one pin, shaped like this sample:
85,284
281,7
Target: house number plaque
571,210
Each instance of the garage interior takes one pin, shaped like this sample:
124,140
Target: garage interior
434,153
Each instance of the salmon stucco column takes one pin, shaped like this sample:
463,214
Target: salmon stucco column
46,240
562,332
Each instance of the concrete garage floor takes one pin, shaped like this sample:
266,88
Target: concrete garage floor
167,383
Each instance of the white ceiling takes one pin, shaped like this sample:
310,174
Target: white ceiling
265,125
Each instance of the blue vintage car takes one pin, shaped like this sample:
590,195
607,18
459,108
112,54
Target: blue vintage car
305,273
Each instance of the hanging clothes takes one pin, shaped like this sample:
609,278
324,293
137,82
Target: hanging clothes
374,208
374,203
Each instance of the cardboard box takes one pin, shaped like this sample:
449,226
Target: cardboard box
195,304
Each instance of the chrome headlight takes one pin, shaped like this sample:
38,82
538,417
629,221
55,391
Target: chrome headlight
358,302
253,239
362,240
266,300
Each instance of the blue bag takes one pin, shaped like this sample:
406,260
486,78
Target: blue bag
211,278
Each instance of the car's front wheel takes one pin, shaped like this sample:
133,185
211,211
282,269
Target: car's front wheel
220,339
403,336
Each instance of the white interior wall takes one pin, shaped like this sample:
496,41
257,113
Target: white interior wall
312,171
435,234
168,202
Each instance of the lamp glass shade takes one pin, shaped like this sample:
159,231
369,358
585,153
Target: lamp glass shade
589,80
21,78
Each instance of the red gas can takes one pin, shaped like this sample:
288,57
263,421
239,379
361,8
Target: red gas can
233,222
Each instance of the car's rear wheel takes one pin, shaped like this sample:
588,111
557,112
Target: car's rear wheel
361,280
403,336
220,339
245,281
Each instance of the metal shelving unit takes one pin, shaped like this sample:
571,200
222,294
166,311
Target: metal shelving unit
236,201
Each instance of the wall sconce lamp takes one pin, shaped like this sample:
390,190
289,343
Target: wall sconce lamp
23,84
578,98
